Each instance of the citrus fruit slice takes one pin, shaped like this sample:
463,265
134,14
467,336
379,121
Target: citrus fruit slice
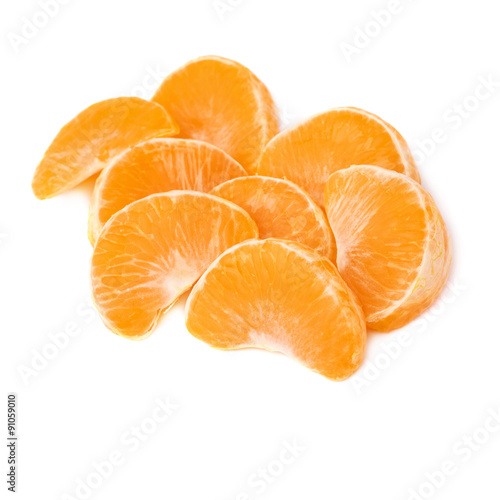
152,251
281,210
393,247
312,150
157,166
87,143
282,296
222,102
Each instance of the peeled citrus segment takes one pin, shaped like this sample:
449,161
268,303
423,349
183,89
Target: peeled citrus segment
312,150
152,251
221,102
393,248
87,143
157,166
281,296
281,210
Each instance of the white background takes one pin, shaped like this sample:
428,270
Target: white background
375,436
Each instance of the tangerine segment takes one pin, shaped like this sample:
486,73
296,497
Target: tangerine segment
311,151
282,296
281,210
393,247
87,143
222,102
152,251
157,166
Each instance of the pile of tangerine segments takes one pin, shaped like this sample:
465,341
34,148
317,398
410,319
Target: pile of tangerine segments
296,241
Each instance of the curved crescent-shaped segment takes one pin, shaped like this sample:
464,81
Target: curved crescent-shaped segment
393,247
152,251
86,144
281,210
281,296
158,166
222,102
312,150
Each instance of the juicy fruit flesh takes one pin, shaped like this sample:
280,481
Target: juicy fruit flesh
156,166
281,296
281,210
86,144
393,246
153,250
154,242
221,102
308,153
